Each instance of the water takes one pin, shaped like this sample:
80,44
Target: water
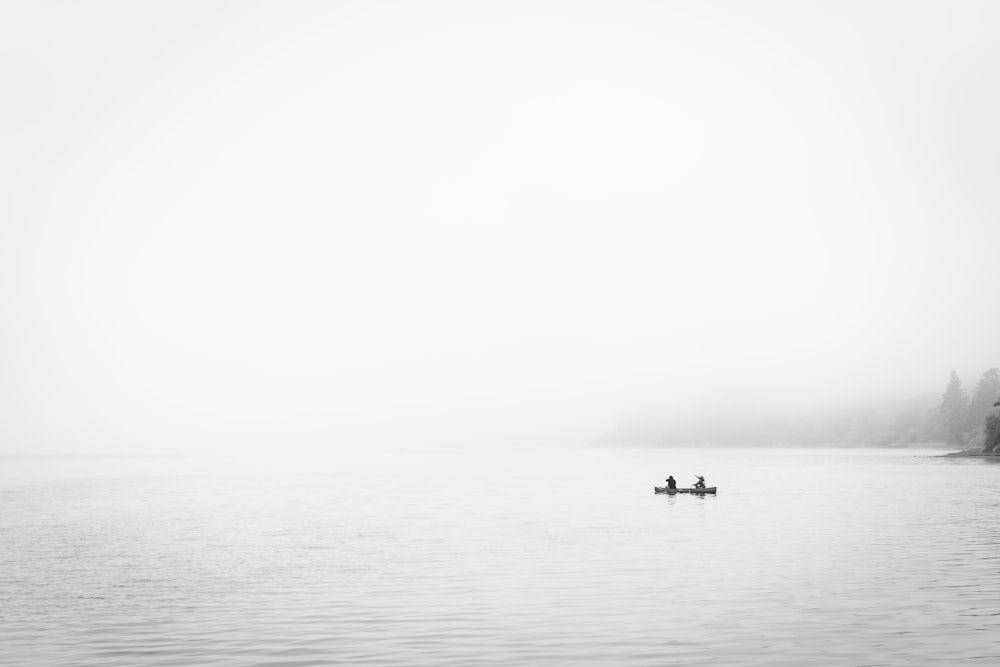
557,557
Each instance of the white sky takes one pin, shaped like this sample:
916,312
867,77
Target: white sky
268,226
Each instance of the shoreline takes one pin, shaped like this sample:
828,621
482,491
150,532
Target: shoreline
971,454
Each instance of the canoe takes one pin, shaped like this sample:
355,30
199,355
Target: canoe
663,489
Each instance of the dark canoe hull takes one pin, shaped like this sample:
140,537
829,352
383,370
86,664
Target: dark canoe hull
663,489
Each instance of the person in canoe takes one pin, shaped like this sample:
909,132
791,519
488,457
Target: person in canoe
671,483
700,484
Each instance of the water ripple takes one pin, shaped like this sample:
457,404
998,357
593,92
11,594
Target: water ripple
825,558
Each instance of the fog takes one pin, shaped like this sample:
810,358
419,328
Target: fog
267,227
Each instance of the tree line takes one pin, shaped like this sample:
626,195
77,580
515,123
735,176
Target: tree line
973,421
958,418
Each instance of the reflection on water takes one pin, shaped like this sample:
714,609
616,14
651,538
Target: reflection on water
553,557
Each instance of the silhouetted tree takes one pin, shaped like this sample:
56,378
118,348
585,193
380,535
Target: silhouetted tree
983,397
955,409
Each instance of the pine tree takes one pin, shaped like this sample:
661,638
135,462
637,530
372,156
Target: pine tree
955,409
983,398
991,433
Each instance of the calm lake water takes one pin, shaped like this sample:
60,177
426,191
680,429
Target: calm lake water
554,557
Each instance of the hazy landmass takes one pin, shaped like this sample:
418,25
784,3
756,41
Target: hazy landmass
954,419
913,422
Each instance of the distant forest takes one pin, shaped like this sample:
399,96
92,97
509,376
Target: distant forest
956,419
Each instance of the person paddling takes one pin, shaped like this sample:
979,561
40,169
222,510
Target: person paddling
671,483
700,484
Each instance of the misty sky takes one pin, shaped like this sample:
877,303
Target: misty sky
317,225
